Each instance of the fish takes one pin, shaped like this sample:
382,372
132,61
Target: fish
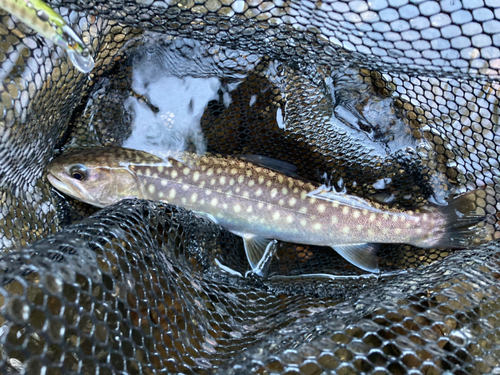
261,204
47,22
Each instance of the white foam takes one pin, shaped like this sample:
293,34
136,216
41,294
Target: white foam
181,103
279,119
382,183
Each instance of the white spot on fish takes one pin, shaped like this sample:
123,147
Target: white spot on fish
397,230
274,192
151,188
258,193
185,187
210,171
260,205
334,219
370,232
224,206
303,210
372,217
289,219
241,179
303,222
346,230
356,214
231,182
196,176
303,194
160,194
237,208
194,197
292,201
394,218
276,216
246,195
222,180
163,182
281,202
268,183
321,208
345,210
385,216
183,200
148,172
317,226
171,194
261,179
174,174
212,181
251,183
234,171
249,208
214,202
284,191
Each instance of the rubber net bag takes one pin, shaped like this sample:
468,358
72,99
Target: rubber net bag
395,101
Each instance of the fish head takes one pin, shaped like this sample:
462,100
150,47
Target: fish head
97,176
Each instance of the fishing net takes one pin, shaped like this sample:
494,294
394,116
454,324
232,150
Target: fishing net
394,101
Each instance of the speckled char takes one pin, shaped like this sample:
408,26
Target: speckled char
258,203
246,198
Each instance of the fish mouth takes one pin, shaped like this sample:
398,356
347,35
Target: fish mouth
55,182
60,185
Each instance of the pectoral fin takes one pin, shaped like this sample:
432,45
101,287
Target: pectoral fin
207,216
259,251
362,255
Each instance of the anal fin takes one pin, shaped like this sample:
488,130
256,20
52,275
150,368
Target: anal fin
259,251
362,255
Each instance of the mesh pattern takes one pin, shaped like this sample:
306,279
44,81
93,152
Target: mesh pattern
136,287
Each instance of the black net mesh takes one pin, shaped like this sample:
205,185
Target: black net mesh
397,100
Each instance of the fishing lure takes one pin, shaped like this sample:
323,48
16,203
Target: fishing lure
48,23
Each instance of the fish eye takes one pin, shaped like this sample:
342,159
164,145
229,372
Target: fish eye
78,172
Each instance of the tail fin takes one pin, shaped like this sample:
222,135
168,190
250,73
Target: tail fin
460,217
